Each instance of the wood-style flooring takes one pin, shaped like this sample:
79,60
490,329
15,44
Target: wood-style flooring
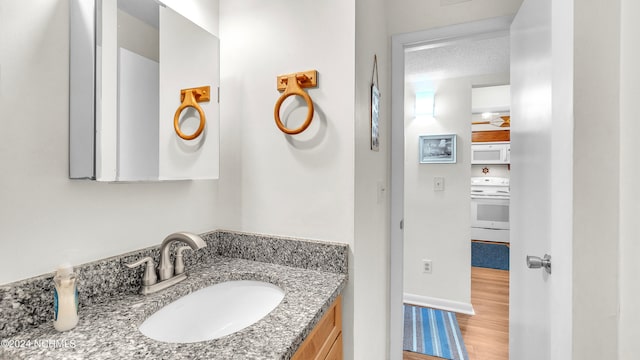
486,334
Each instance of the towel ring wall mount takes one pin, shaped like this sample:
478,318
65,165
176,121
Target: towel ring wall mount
292,84
190,98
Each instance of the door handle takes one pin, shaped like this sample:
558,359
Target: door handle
535,262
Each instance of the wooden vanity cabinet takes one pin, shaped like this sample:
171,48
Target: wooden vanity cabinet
325,340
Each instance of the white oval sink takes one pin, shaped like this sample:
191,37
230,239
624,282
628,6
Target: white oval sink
213,312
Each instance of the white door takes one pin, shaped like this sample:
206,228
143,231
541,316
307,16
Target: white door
541,181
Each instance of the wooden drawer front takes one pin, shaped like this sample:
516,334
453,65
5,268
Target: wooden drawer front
321,339
336,350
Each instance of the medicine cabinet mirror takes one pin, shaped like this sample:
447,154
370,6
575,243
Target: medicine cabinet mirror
129,61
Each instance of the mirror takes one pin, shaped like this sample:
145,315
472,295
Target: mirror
129,62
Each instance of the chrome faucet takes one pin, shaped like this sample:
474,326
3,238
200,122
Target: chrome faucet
166,267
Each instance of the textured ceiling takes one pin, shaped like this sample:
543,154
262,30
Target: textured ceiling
464,58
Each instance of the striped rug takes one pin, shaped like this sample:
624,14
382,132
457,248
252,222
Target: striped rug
433,332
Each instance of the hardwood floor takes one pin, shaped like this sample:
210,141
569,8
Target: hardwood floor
486,334
415,356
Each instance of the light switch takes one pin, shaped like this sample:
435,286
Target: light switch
438,183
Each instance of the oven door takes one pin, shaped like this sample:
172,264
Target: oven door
489,213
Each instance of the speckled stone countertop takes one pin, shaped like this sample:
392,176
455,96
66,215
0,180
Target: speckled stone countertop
109,329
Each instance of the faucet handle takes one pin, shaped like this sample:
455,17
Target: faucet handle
149,277
179,262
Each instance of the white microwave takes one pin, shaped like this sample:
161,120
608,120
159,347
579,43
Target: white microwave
491,153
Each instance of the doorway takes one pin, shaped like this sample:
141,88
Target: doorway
447,284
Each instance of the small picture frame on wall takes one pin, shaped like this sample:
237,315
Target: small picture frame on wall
375,106
375,113
437,149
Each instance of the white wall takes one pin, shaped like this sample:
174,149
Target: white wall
562,40
415,15
137,36
138,114
629,346
202,12
437,223
494,170
371,261
323,183
300,185
596,212
45,218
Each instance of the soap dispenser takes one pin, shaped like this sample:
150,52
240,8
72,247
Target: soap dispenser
65,298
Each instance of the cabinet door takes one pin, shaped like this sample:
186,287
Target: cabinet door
336,350
325,340
129,61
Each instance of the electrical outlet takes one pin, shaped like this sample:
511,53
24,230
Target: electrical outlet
427,266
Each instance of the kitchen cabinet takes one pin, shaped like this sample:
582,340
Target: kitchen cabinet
490,136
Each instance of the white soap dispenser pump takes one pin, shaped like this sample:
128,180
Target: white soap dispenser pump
65,300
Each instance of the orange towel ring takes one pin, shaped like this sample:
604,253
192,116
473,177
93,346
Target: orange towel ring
191,98
294,84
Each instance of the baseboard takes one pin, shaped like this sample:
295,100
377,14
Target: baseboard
437,303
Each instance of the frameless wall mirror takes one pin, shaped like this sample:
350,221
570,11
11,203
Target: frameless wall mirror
134,112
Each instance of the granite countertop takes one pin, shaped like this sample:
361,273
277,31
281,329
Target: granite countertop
109,330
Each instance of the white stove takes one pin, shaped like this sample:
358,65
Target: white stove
490,209
487,187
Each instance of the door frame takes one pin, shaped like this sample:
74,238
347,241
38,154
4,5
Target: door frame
430,37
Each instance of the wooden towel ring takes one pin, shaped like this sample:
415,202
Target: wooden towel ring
293,88
189,100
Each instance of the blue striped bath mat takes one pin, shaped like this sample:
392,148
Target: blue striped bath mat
433,332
